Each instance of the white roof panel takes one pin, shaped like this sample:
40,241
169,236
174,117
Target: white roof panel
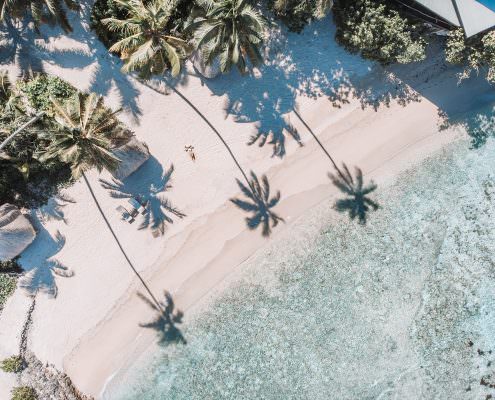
475,17
443,8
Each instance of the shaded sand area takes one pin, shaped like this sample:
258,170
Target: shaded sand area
91,328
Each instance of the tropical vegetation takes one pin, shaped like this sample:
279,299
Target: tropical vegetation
296,14
25,180
149,43
24,393
13,364
377,31
474,53
230,31
53,12
87,132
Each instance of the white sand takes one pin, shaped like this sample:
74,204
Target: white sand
92,328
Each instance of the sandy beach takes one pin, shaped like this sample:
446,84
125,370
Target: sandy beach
91,328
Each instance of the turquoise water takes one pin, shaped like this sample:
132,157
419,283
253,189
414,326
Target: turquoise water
394,310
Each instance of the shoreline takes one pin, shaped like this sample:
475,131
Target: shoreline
195,287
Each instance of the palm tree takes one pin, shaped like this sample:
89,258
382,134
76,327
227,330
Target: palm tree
316,8
358,204
42,11
150,45
231,31
259,203
88,131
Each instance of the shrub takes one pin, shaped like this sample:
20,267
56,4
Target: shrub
12,364
24,393
473,53
296,14
39,90
24,181
7,286
10,266
111,9
377,32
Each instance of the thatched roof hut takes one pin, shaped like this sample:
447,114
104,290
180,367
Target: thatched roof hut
132,155
16,232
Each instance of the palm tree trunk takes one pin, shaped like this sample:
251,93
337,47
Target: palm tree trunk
211,127
155,300
215,131
323,148
20,129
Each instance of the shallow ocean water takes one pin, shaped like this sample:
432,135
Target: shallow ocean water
402,308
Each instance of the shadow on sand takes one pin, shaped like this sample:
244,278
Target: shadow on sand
40,263
149,184
167,318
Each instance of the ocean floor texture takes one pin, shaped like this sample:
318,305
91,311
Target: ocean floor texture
402,308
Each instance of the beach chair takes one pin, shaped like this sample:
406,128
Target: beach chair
125,214
138,205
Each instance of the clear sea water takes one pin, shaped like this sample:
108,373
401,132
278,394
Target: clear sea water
402,308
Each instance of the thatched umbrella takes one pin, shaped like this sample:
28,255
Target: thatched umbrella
16,232
132,155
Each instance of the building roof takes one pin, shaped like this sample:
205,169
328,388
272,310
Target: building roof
474,16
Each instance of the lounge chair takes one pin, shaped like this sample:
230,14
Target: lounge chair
138,205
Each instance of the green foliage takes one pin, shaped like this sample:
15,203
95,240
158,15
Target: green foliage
8,284
24,180
87,131
24,393
297,13
230,31
10,266
42,87
377,32
12,364
474,53
107,9
150,44
53,12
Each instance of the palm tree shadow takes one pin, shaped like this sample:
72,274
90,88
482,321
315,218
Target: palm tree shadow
165,323
264,101
107,73
22,46
149,184
357,204
54,208
259,204
40,264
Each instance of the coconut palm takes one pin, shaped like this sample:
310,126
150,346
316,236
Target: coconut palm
259,203
87,133
358,204
150,46
230,31
42,11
